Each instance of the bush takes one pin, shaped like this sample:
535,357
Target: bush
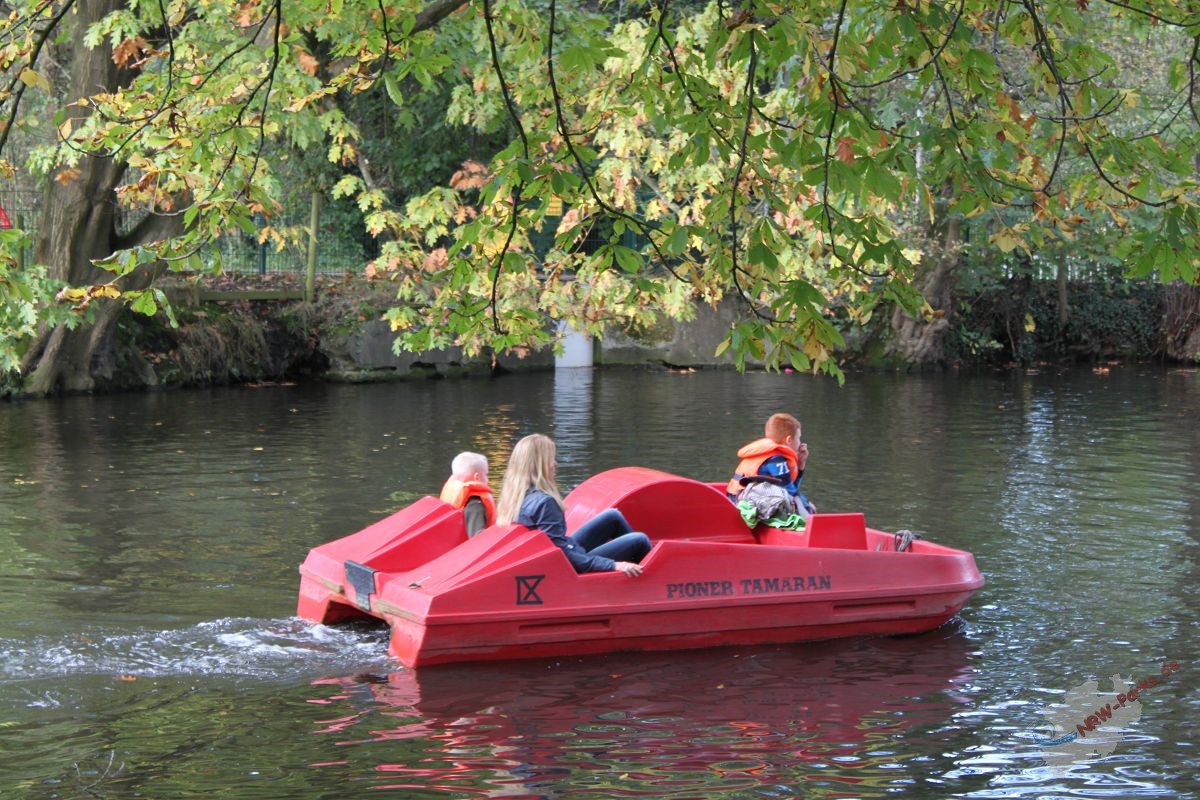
1018,321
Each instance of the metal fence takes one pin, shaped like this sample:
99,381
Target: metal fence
341,248
22,208
339,251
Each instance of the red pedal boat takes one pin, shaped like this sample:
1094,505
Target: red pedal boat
709,580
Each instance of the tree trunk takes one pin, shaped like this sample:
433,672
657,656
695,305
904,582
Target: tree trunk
918,341
78,226
1064,309
1182,321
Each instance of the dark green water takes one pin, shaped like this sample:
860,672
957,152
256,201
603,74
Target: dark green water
149,545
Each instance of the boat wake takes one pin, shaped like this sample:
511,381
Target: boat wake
241,647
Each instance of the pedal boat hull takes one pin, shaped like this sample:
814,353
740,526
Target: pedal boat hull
709,580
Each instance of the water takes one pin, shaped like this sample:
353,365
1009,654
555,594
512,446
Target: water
149,545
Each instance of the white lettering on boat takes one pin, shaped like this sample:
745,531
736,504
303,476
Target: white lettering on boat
790,584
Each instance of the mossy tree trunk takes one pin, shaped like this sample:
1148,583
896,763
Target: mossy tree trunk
79,225
922,341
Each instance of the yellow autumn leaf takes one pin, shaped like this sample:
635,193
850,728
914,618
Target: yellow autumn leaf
71,294
815,350
1005,239
34,79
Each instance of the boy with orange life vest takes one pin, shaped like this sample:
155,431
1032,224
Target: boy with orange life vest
779,457
467,488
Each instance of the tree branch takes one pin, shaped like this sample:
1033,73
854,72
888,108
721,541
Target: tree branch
1046,52
1181,23
933,55
39,42
1192,79
437,11
561,123
737,177
516,199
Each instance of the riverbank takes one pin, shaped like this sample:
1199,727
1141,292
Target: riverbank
341,336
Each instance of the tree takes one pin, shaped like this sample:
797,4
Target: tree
771,150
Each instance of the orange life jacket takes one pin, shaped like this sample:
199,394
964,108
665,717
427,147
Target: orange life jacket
752,457
457,493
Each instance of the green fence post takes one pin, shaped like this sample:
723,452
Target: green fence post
21,249
314,218
260,221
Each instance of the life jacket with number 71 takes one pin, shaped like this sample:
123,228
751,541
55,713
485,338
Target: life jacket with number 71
754,455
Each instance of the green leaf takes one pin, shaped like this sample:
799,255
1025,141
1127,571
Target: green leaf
578,59
144,304
627,259
678,241
760,253
392,84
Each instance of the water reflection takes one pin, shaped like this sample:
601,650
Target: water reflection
573,428
827,717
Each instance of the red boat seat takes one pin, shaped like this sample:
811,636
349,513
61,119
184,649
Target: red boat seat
663,506
410,537
841,531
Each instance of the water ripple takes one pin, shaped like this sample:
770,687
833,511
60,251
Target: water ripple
233,647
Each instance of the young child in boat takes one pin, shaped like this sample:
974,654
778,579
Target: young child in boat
529,497
467,488
779,457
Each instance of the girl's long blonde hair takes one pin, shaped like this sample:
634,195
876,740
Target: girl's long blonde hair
529,467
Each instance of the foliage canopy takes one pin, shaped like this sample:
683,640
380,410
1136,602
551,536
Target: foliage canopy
770,149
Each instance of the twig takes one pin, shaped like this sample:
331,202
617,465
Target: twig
516,198
585,175
39,43
737,177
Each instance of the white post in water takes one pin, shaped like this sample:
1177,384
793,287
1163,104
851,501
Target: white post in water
577,348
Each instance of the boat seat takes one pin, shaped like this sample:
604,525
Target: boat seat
839,531
665,507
